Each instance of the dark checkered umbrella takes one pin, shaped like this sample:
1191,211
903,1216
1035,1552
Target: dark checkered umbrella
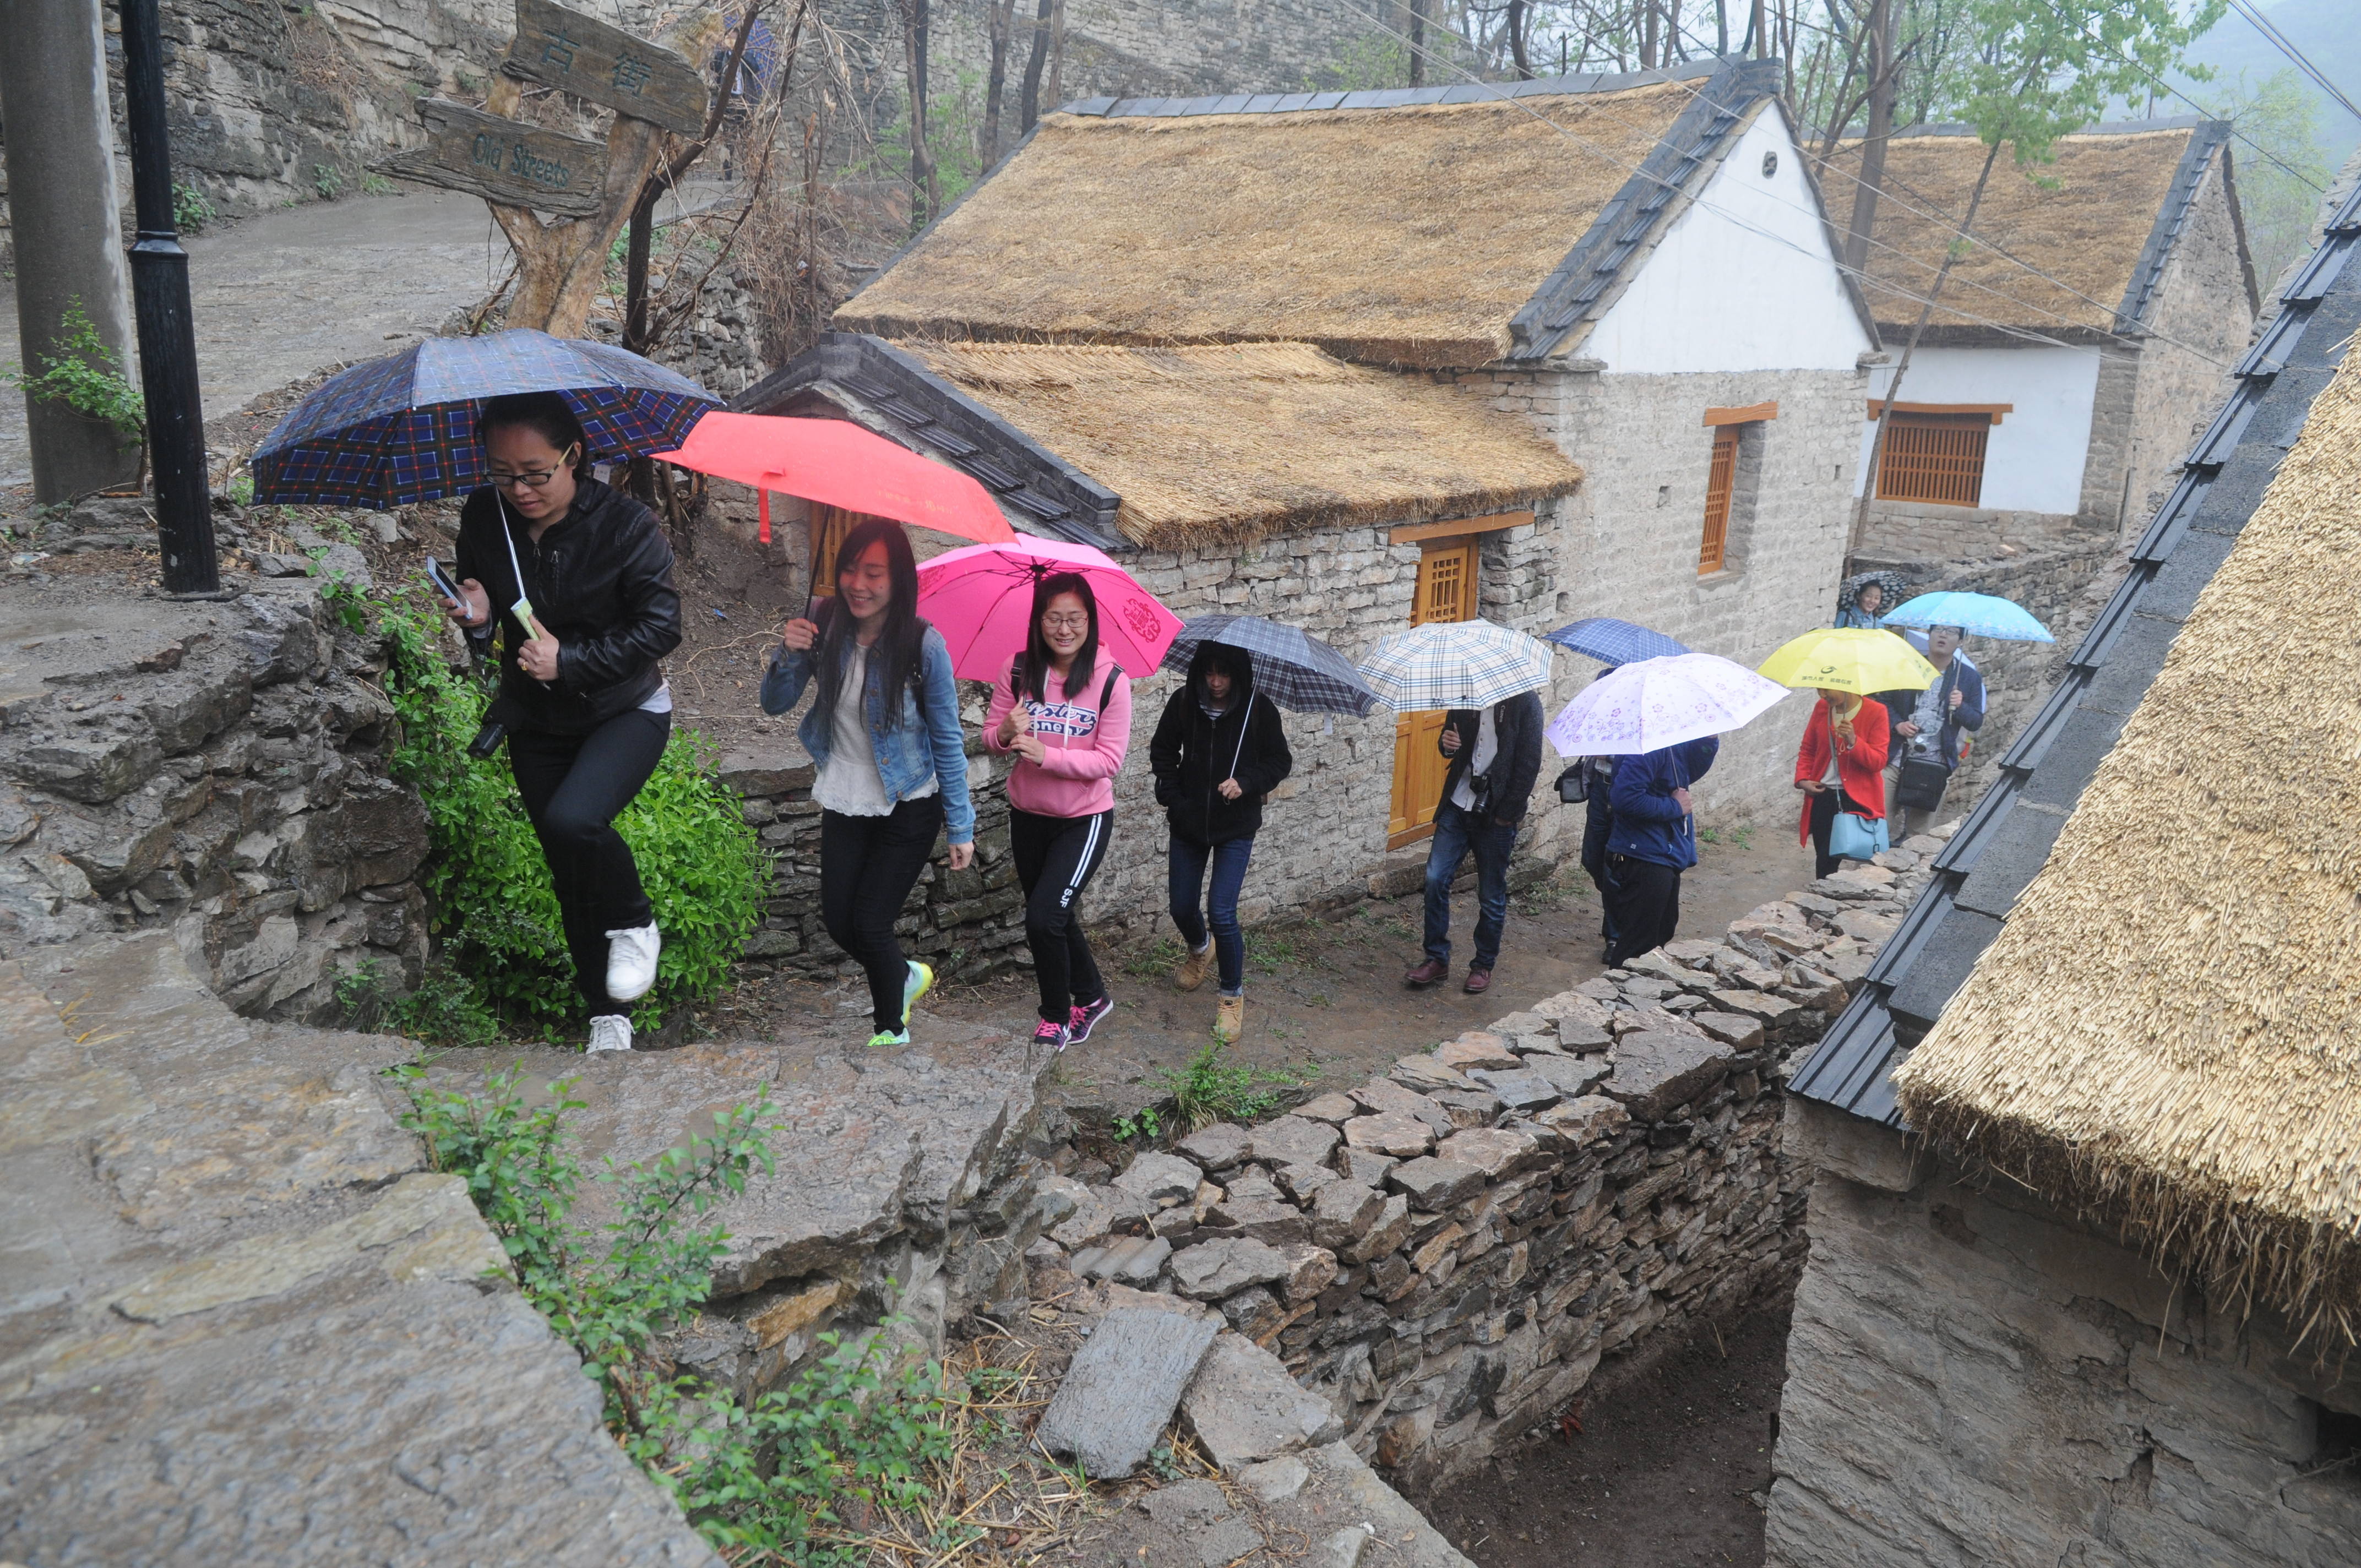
401,430
1292,667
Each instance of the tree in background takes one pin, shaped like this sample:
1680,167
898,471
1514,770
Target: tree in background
2280,180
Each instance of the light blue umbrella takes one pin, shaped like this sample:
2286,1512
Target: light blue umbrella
1979,615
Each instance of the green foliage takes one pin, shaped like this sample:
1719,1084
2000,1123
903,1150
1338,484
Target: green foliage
375,184
191,211
762,1481
85,376
1143,1122
698,859
241,488
2034,69
347,604
2278,200
327,181
1155,960
446,1009
1212,1089
1370,62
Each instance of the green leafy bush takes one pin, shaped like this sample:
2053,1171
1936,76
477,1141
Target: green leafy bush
704,870
762,1483
86,376
191,211
327,180
446,1009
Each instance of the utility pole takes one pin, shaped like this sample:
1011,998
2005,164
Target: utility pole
69,243
1882,86
168,343
1417,43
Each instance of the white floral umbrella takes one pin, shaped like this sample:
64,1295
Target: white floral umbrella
1661,702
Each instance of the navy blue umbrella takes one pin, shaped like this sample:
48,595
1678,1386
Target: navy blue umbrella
401,430
1612,641
1292,667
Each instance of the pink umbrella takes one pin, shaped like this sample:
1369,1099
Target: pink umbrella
981,598
1655,703
838,463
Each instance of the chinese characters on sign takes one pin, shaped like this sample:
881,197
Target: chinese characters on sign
590,59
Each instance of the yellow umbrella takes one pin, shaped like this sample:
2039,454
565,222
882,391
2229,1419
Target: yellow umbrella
1856,659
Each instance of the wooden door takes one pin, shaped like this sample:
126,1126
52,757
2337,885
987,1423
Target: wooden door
1446,591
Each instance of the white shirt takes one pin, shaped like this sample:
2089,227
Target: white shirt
848,783
1488,746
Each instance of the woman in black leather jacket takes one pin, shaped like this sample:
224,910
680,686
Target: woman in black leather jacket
586,704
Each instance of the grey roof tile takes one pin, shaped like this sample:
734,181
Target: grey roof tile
2014,857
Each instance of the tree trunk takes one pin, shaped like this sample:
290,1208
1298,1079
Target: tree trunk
1029,100
1057,52
999,21
924,192
562,265
1417,43
1882,81
1517,21
1754,32
1952,254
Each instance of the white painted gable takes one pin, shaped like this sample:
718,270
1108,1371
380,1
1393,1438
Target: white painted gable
2034,457
1744,281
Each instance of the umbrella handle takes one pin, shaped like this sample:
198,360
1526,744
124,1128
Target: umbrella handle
763,532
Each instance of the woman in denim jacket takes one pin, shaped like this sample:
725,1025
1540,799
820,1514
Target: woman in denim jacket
885,732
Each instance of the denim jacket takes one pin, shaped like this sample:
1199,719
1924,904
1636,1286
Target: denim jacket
926,745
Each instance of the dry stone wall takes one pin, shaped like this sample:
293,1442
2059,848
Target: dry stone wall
1447,1253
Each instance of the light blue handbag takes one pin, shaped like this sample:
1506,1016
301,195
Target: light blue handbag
1855,837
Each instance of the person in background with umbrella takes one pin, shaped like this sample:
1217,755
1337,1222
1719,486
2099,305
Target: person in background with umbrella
885,732
586,704
1217,752
1069,721
1923,766
1651,841
1598,825
1495,755
1840,766
1862,600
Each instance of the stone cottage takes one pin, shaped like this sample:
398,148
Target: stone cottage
2085,1241
1636,266
2075,346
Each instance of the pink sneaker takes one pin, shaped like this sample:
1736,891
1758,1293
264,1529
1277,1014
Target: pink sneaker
1086,1016
1053,1036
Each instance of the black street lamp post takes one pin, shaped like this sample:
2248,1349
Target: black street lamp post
167,345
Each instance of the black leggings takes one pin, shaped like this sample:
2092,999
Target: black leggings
867,867
1824,821
574,787
1055,858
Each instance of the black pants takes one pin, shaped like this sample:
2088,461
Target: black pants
574,787
1824,821
1056,857
1643,905
867,867
1596,825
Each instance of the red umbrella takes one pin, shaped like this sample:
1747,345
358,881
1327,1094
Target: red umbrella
838,463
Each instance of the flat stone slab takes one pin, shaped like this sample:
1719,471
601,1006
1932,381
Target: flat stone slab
1477,1047
1211,1270
1293,1140
1217,1148
1655,1071
1522,1090
1391,1133
1243,1407
1433,1185
1260,1219
1424,1072
1574,1076
1495,1151
1154,1177
1733,1029
1120,1389
1133,1260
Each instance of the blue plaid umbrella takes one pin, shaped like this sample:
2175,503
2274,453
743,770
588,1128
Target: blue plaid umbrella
1292,667
401,429
1613,642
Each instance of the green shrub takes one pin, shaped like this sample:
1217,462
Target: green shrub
446,1009
191,211
327,180
85,376
698,859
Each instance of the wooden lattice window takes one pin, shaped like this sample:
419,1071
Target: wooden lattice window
1714,549
828,527
1937,458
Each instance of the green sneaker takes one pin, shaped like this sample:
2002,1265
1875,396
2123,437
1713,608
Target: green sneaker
890,1037
921,981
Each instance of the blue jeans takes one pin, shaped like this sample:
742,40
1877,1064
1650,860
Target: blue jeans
1187,864
1456,833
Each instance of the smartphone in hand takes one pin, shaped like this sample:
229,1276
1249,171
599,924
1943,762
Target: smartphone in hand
443,585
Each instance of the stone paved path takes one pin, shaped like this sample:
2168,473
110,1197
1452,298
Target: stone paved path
280,295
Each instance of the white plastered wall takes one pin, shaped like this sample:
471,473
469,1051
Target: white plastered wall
2034,457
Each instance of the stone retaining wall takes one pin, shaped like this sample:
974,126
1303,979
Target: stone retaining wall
1448,1252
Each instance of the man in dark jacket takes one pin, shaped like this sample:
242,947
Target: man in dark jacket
1218,750
1495,755
1653,840
1926,727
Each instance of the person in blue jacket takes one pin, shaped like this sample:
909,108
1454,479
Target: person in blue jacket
1652,842
885,733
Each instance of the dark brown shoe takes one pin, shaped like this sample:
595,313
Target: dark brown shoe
1479,980
1425,974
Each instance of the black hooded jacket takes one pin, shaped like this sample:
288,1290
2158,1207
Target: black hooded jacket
1517,760
600,583
1191,754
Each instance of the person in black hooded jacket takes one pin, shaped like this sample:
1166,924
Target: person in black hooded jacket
1218,749
583,698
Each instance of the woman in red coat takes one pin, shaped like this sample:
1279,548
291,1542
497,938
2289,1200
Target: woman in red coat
1843,759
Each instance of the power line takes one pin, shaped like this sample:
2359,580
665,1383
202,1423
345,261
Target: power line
2280,41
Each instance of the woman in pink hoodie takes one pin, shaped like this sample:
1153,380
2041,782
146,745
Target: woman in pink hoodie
1068,718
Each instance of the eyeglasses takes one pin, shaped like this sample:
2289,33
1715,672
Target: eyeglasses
1066,624
535,479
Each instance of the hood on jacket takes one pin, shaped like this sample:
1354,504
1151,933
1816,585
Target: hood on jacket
1237,661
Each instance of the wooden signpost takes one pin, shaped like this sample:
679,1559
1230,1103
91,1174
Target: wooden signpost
506,162
584,56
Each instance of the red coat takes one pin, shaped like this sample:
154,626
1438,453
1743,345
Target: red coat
1860,769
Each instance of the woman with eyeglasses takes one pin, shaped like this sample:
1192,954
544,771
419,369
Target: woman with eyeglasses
586,704
1067,716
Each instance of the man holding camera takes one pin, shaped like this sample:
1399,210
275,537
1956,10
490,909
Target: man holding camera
1495,755
1926,727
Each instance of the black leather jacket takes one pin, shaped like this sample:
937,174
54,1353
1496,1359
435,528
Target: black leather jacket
1517,762
600,583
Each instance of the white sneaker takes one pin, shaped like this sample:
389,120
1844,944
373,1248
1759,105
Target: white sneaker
608,1032
631,961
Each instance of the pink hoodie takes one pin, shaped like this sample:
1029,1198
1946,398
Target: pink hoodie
1076,774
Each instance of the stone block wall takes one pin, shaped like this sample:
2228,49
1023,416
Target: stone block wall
1323,842
1447,1252
1629,547
216,770
1911,531
1975,1380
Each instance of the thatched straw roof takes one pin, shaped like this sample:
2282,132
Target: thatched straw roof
2168,1029
1388,236
2085,220
1225,443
